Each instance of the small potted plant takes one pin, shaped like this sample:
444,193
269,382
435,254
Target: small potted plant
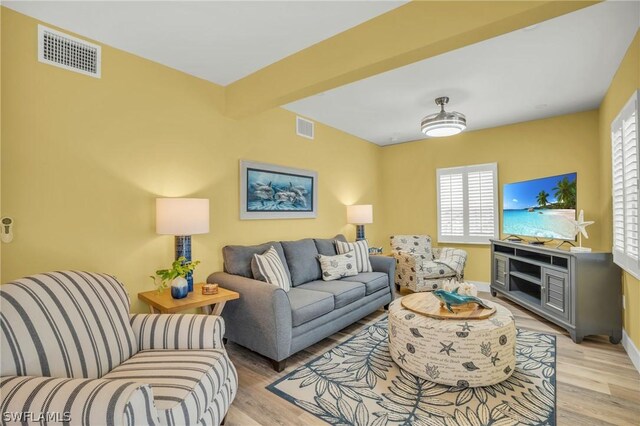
176,275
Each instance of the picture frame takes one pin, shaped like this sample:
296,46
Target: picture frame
269,191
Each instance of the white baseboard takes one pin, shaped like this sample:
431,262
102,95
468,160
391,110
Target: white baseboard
481,285
632,350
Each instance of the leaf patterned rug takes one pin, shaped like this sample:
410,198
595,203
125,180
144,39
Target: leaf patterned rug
357,383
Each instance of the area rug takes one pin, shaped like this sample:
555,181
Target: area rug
357,383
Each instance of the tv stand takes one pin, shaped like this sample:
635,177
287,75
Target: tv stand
580,292
513,238
537,243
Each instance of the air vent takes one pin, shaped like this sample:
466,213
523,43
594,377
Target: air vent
304,127
71,53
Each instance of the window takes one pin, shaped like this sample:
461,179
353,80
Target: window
624,167
468,204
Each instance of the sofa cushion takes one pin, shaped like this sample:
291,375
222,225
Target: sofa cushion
185,382
374,281
307,304
302,260
343,292
327,246
237,259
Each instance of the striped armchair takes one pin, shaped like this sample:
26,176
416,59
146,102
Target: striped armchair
420,267
71,352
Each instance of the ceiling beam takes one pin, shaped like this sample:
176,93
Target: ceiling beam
407,34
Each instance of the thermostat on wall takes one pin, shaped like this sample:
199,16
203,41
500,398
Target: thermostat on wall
6,229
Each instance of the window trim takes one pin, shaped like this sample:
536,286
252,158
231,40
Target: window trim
622,259
465,170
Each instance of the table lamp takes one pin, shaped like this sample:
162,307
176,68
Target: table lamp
359,215
182,217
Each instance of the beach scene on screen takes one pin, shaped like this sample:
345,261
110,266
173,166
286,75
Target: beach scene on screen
543,208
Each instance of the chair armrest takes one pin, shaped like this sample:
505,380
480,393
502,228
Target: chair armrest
387,265
260,319
33,400
177,331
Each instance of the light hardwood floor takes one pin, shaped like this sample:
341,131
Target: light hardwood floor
596,382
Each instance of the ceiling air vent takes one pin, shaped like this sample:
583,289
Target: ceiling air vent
71,53
304,127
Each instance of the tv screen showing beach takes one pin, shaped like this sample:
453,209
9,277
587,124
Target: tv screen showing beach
543,208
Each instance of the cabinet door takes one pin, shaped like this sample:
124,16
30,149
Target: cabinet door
500,272
556,297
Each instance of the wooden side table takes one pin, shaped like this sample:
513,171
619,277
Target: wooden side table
209,303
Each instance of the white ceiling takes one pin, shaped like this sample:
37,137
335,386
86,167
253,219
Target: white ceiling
561,66
219,41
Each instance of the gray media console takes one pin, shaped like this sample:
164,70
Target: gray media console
580,292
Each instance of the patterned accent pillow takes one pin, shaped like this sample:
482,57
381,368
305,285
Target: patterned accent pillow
360,250
338,266
269,268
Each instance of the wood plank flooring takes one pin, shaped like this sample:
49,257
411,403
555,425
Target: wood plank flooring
596,382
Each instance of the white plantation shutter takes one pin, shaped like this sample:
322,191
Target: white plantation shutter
451,205
482,197
625,190
618,191
468,203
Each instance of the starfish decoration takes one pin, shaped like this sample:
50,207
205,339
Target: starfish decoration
466,326
495,359
447,348
581,225
401,357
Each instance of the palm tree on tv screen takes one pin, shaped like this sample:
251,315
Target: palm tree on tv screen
542,198
565,193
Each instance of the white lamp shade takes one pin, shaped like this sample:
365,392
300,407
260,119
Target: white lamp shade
182,216
360,214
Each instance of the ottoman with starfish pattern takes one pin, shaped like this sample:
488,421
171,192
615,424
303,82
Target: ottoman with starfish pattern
453,352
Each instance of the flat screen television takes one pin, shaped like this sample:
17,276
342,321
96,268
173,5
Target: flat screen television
542,208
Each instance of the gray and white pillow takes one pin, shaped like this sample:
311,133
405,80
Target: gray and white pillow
360,250
269,268
338,266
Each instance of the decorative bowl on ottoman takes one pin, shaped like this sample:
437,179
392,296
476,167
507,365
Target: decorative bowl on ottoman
455,352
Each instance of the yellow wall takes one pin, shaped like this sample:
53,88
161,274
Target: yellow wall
557,145
83,160
625,81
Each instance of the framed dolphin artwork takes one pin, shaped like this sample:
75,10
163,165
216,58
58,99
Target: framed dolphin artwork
268,191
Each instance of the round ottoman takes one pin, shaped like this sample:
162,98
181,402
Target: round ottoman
451,351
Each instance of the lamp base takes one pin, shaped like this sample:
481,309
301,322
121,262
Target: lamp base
360,233
183,248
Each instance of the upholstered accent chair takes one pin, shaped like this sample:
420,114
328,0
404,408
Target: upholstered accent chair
421,267
71,349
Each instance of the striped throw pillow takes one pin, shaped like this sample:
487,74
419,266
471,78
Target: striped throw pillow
338,266
269,268
360,250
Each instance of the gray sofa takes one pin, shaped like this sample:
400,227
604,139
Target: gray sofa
277,324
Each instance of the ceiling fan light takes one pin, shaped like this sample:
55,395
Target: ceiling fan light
443,123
